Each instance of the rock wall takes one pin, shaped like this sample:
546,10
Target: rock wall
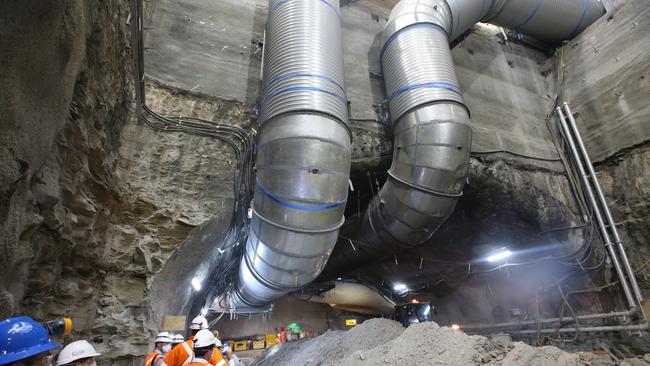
66,92
91,203
607,71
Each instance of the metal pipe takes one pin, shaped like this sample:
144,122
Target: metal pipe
592,200
603,203
602,328
430,120
303,160
598,316
431,127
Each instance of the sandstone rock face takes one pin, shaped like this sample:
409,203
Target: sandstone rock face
626,184
92,204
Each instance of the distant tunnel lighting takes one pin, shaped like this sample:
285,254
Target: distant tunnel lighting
455,327
501,254
339,278
196,284
415,301
400,287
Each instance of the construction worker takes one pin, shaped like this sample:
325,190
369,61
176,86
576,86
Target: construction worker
217,358
78,353
182,353
205,345
178,338
24,342
162,345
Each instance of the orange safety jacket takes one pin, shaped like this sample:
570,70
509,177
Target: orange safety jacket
217,358
153,358
181,354
198,362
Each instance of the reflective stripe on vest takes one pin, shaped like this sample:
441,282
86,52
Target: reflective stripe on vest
199,361
190,353
221,363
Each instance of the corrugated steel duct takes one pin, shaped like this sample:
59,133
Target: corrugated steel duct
550,21
431,122
303,160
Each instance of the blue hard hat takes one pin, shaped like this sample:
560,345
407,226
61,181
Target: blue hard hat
21,337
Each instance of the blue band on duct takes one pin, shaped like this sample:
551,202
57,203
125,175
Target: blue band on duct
296,88
582,18
405,29
297,74
282,2
322,207
530,17
429,85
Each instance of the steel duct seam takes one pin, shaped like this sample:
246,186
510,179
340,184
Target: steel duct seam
303,160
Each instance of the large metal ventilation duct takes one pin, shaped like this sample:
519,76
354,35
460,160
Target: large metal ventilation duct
303,159
431,122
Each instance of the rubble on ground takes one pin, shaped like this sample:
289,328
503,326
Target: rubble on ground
382,341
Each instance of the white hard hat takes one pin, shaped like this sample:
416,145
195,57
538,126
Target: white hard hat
200,322
204,338
163,337
178,339
218,342
76,351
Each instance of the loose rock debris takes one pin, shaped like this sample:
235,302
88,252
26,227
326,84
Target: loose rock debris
383,341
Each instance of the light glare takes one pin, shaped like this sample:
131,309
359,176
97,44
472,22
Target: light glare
503,254
400,287
196,284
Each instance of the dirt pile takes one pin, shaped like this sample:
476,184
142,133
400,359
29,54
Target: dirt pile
332,347
381,341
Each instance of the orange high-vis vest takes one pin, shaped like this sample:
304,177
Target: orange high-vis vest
217,358
153,358
199,362
182,354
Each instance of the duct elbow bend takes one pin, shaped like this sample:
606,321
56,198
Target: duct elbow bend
431,126
426,177
302,185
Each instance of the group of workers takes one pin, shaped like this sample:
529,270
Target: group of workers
25,342
200,349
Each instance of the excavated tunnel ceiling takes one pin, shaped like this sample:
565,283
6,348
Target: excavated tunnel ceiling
211,43
507,87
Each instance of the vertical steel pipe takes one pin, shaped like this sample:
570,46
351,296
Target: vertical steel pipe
603,202
592,201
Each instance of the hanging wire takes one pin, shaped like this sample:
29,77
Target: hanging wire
240,140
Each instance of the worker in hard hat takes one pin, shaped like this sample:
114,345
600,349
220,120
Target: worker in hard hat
162,345
24,342
178,338
205,348
78,353
217,358
182,352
